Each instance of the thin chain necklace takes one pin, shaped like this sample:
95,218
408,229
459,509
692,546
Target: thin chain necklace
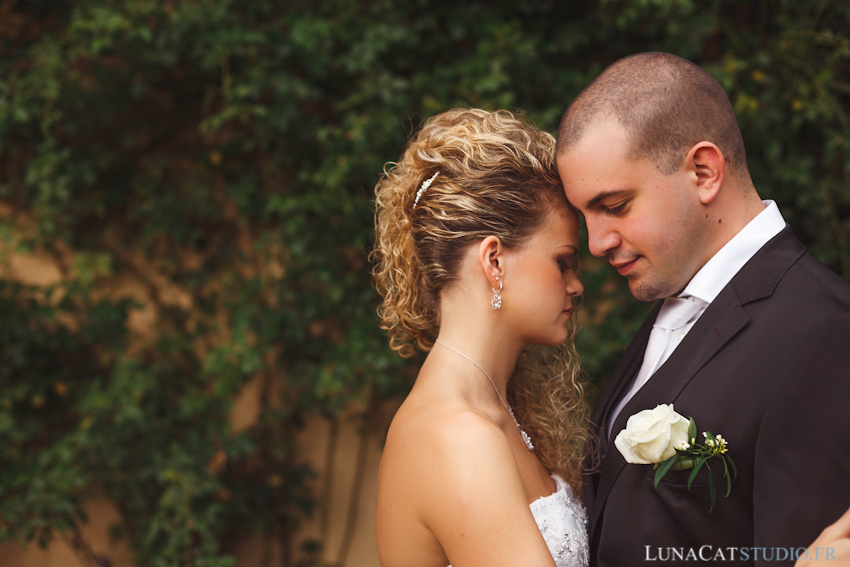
522,432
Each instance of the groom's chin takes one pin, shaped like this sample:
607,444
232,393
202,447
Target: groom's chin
644,291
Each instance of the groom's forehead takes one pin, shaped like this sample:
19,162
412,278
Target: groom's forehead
598,172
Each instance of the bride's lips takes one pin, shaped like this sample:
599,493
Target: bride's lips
625,267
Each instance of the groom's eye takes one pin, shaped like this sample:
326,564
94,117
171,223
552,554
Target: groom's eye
616,209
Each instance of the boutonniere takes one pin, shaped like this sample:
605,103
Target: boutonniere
663,438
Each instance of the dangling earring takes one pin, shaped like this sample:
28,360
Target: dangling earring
496,303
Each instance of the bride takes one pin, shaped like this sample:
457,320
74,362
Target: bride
475,259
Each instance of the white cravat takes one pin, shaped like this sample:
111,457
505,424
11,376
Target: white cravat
671,326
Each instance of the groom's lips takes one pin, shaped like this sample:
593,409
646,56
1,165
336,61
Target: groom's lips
625,267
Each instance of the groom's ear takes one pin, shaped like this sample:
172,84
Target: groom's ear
708,167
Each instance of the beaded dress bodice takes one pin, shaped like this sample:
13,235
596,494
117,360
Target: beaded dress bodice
562,520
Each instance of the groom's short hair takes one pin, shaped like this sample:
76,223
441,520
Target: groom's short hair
665,104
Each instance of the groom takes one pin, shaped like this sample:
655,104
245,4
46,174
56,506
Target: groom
754,333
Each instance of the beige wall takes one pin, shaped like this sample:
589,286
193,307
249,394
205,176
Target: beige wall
41,269
250,552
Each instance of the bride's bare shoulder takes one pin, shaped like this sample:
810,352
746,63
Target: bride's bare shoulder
440,426
445,446
449,482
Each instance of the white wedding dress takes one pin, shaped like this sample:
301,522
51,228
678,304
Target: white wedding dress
563,522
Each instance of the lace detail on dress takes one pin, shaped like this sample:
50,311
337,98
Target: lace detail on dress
562,520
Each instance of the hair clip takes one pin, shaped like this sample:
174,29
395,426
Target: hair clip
425,185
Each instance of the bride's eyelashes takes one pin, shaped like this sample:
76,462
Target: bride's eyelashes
567,263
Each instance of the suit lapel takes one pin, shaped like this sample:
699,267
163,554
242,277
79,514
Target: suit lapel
623,375
624,372
724,318
599,448
720,322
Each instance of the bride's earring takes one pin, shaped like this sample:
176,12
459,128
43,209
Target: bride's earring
496,303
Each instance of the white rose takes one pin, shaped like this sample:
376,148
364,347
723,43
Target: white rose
651,436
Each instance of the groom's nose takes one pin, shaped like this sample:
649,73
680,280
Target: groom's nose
601,238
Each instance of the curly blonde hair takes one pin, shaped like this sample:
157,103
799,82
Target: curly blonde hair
496,176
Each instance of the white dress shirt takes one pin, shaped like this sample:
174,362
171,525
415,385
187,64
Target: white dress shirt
710,280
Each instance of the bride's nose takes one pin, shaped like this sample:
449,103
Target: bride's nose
574,285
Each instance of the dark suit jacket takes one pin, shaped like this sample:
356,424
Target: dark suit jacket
767,366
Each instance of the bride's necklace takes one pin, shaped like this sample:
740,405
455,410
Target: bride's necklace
522,432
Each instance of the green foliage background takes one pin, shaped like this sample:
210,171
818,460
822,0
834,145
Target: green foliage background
228,150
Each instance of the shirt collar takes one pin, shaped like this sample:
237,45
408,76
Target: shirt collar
722,267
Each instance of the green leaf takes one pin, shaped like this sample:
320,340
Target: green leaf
298,115
686,461
732,464
728,478
712,491
692,431
693,475
665,467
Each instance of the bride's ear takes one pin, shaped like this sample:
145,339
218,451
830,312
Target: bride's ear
491,257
